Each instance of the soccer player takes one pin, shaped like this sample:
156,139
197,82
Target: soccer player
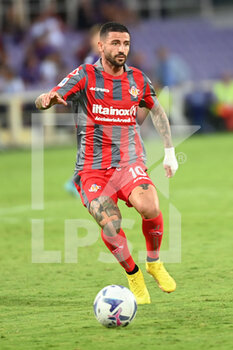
111,159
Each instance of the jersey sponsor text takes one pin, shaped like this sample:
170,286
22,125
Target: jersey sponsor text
99,109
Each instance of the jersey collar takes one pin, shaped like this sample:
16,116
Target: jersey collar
98,65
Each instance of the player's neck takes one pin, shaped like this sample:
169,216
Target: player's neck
111,69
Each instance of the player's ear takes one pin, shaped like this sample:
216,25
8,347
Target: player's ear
100,46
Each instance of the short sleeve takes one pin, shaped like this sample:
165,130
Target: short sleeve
149,99
72,85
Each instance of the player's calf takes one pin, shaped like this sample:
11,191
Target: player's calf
108,216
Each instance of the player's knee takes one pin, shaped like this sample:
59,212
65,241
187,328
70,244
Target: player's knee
106,214
112,227
148,210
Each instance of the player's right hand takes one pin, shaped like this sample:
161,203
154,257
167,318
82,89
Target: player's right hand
45,101
51,99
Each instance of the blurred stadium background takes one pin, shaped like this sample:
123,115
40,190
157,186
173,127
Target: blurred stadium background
185,45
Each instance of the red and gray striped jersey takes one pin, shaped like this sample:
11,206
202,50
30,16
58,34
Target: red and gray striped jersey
106,106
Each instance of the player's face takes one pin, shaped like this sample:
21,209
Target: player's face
115,48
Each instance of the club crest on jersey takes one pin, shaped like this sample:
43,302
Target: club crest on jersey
94,188
134,91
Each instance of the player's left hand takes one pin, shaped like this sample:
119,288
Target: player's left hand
170,162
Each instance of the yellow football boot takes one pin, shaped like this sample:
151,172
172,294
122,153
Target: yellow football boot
161,276
138,287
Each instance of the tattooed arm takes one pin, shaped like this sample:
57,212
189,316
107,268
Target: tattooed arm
161,123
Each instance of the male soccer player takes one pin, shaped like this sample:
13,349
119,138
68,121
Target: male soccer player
111,158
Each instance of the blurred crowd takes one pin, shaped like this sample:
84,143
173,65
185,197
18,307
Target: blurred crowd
38,56
212,109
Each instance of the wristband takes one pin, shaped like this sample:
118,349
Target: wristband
169,152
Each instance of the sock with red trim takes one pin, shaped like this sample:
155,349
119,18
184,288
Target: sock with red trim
153,232
119,248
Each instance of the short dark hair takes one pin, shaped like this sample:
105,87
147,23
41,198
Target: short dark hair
112,27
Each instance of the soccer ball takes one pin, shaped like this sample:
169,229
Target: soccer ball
115,306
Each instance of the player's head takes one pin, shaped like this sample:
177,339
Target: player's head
114,43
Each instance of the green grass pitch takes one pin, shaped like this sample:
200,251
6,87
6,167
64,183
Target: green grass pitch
49,306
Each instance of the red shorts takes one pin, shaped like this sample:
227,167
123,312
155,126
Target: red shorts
114,182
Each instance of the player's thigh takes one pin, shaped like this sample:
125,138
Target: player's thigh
144,199
107,214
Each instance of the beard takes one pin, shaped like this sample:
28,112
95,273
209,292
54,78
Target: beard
117,61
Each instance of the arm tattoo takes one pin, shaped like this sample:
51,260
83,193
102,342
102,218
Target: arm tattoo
161,123
107,214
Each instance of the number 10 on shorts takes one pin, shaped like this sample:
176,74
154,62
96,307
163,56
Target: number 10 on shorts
137,171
